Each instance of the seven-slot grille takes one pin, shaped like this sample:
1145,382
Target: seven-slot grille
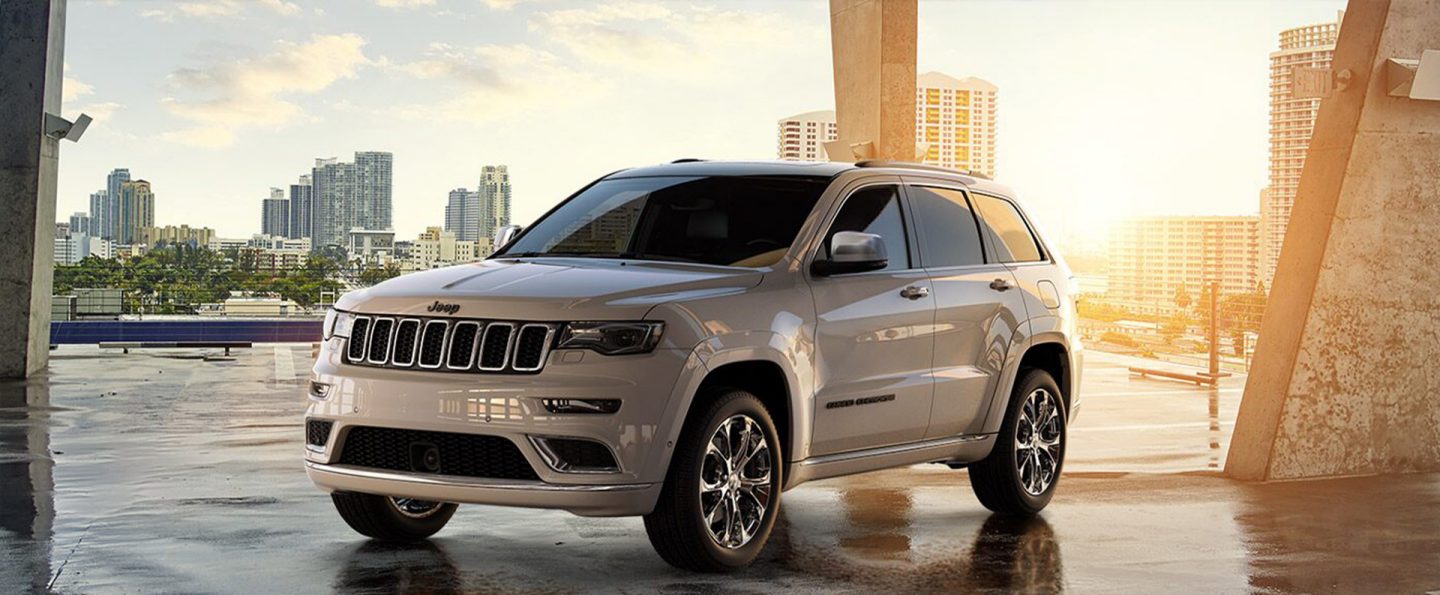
449,345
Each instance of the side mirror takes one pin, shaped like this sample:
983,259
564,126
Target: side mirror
852,252
505,234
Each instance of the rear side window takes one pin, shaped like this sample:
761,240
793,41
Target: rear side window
876,210
948,234
1006,230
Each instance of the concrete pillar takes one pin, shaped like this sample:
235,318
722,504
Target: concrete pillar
32,43
873,44
1344,379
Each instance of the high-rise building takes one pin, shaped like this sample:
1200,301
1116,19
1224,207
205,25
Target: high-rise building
1303,50
954,126
302,209
113,182
275,214
351,196
99,205
80,223
802,137
137,210
955,122
438,247
462,215
494,190
1152,260
172,235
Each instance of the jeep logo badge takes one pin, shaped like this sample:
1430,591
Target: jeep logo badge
446,308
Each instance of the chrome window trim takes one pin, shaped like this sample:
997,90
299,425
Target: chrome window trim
509,346
414,348
474,344
389,341
544,348
444,345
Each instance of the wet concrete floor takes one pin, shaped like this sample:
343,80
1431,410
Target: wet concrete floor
156,473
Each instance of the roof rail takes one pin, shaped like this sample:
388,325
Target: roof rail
919,166
687,160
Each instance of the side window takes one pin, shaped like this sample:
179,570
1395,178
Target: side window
876,210
948,232
1006,230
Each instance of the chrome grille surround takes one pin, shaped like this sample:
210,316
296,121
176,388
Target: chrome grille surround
449,345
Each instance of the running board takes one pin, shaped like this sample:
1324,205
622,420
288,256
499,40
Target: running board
961,449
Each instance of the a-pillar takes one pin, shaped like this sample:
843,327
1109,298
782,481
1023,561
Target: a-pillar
32,42
873,45
1345,377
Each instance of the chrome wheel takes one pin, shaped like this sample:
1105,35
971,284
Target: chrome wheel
1037,441
415,509
735,482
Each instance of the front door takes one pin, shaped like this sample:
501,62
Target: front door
873,335
978,309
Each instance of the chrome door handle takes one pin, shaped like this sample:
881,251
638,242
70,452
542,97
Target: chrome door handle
1000,285
914,292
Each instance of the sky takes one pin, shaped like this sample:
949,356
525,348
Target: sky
1106,109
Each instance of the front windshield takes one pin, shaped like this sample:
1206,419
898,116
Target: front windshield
732,221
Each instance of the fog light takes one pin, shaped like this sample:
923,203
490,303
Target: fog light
319,390
581,405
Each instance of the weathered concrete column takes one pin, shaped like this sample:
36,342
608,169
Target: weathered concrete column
32,43
1344,379
873,45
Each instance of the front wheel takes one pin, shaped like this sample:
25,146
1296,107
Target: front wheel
722,493
392,519
1020,474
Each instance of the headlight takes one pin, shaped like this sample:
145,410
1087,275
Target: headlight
340,325
611,338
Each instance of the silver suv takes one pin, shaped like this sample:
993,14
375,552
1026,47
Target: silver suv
687,341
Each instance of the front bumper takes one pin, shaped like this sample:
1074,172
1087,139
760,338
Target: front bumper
509,406
584,500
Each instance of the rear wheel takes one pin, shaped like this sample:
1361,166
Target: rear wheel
722,493
392,519
1020,474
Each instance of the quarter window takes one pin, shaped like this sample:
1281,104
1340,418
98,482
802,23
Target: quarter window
876,210
1006,230
948,234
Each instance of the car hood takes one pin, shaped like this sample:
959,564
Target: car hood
549,289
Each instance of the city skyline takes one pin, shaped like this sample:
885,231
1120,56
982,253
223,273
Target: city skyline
536,83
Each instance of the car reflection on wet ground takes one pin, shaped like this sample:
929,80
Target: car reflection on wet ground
167,473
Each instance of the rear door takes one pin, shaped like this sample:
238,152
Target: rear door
977,309
873,343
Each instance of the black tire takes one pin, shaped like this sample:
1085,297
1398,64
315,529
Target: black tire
677,527
379,517
997,480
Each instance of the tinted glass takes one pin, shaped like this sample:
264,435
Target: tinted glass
1006,230
948,233
875,210
735,221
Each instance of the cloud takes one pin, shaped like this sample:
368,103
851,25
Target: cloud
217,9
404,3
504,4
73,88
495,81
230,96
675,41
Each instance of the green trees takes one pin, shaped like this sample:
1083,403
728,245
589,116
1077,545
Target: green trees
176,279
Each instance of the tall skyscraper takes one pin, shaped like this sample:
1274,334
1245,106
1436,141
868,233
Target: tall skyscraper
80,223
462,215
302,209
494,199
955,122
99,205
802,137
275,214
1153,259
1292,120
117,177
137,210
954,126
351,196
